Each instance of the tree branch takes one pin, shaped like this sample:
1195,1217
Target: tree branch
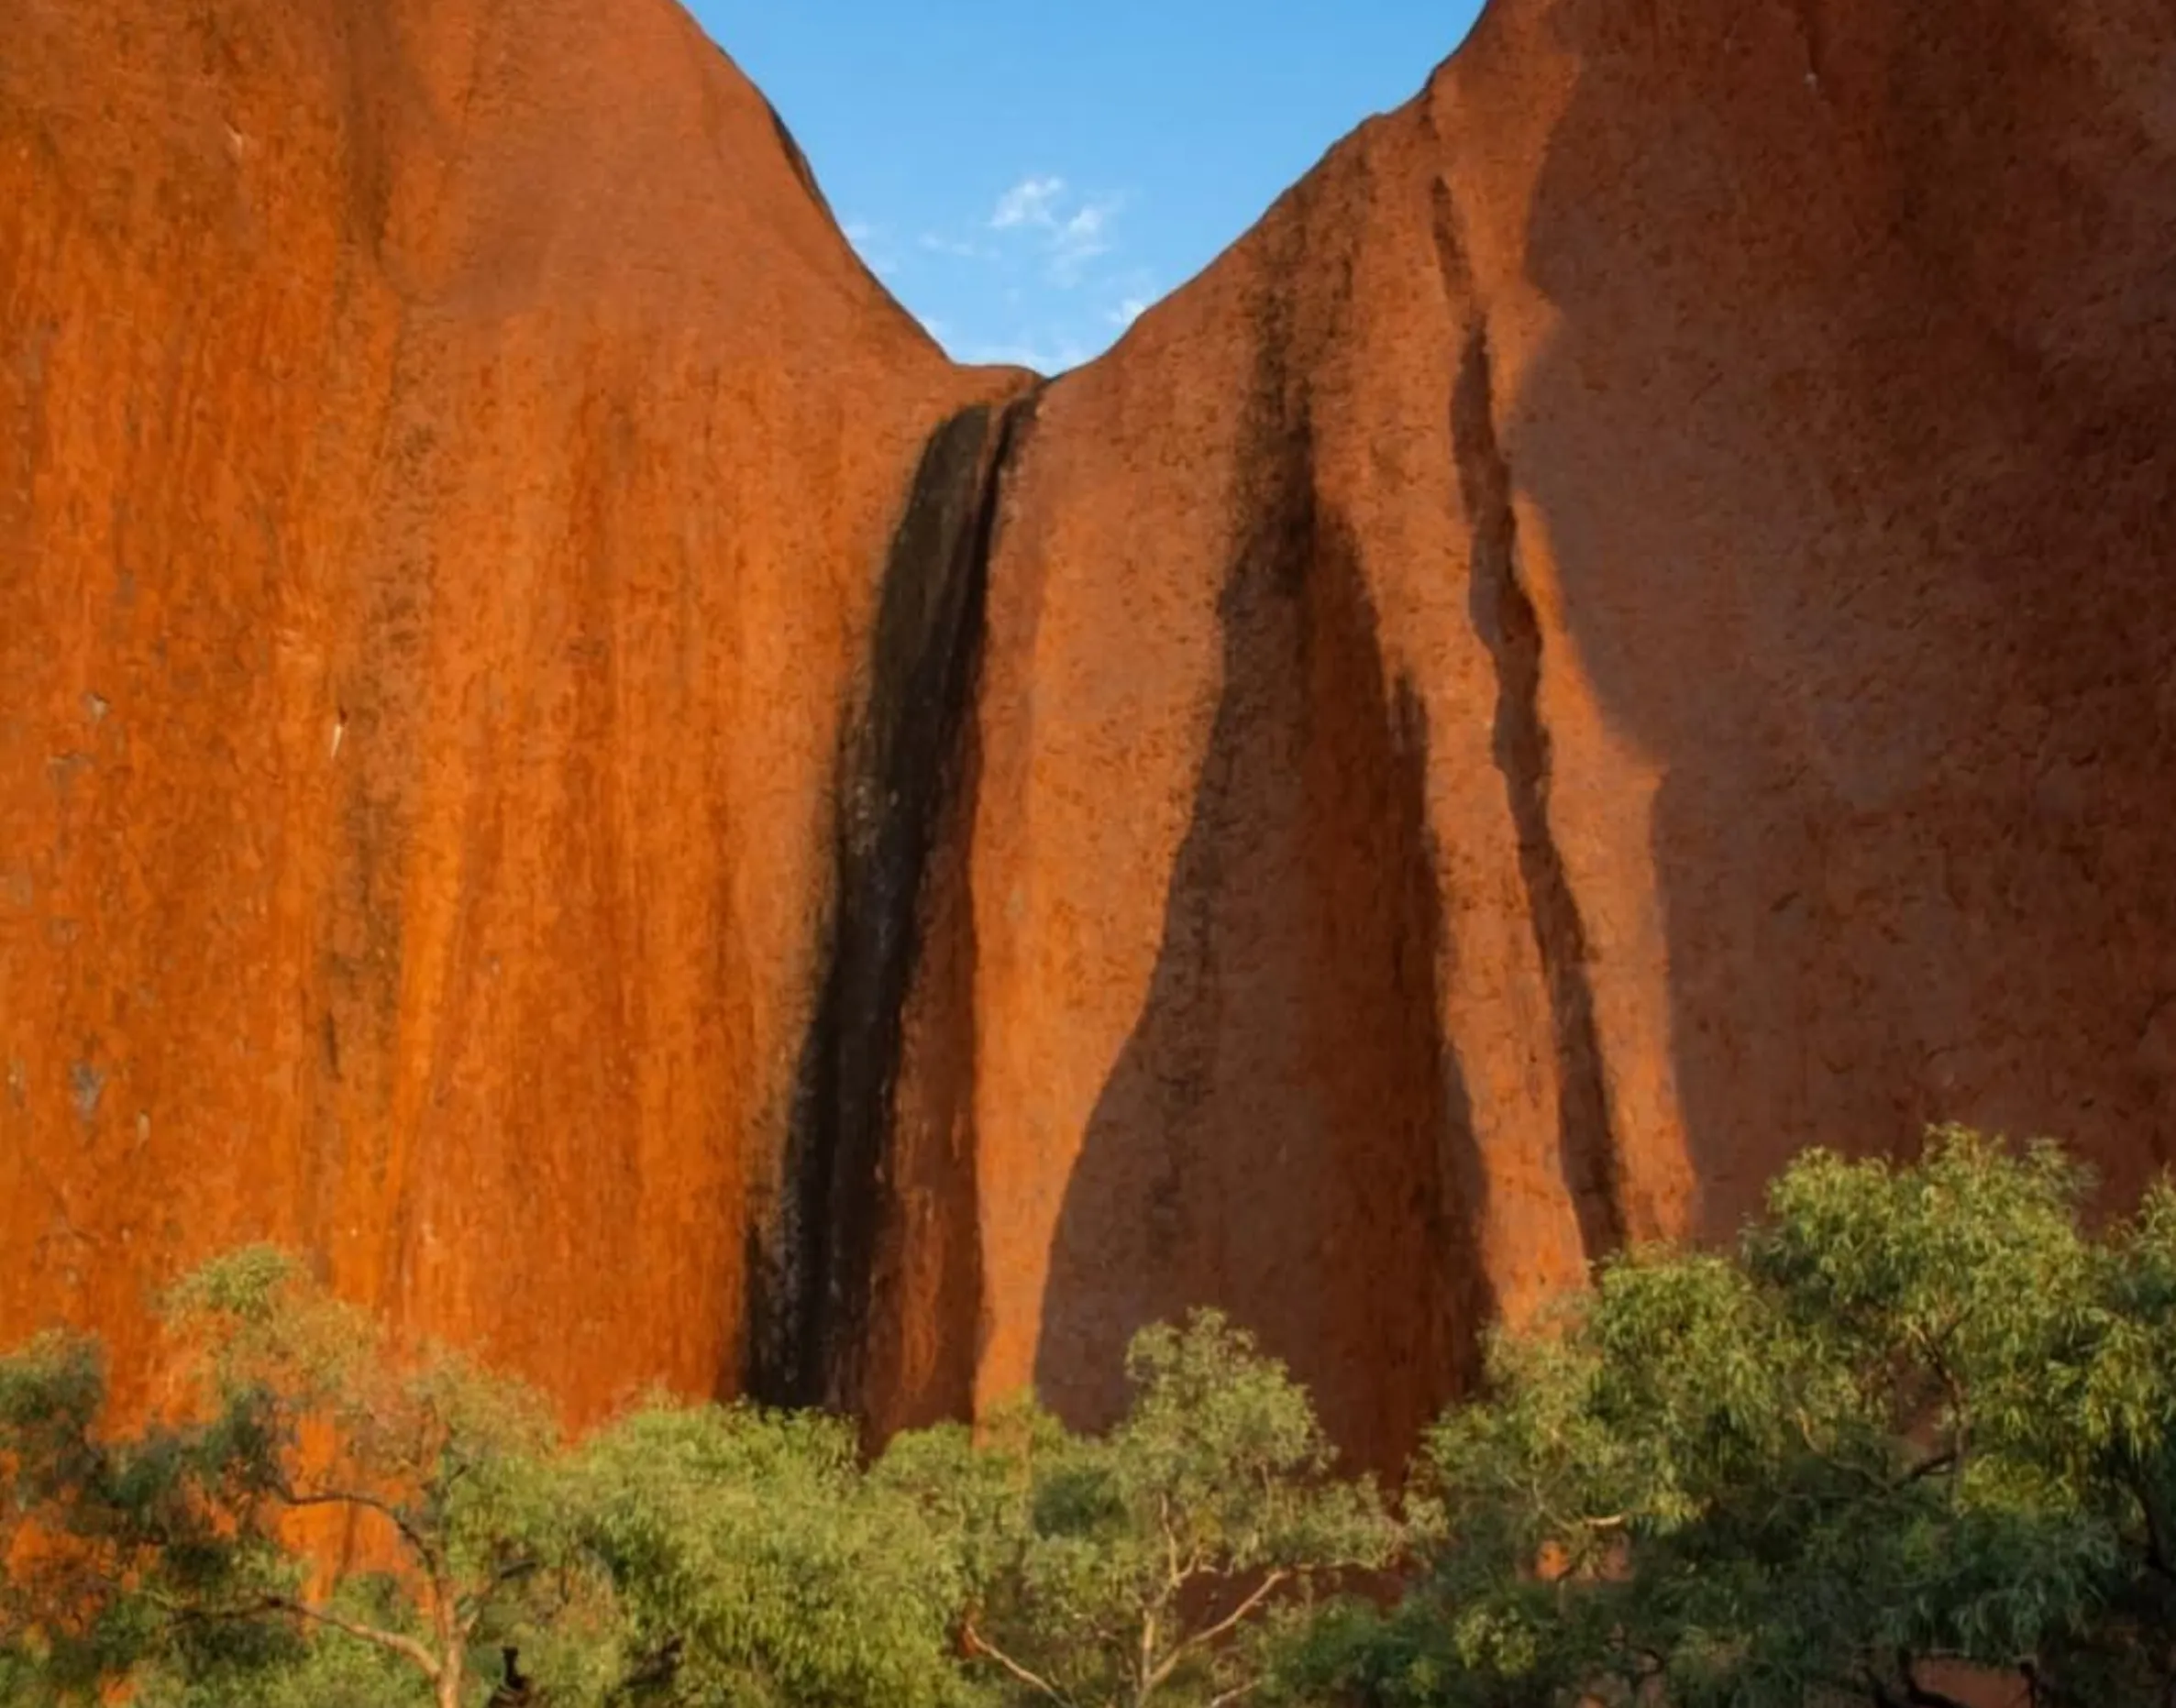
1930,1467
370,1503
392,1642
1269,1585
182,1612
470,1608
978,1645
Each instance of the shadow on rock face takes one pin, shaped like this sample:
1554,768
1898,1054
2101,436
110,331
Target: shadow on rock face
1284,1134
1885,594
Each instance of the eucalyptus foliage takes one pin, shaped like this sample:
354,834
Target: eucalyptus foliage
1145,1564
748,1546
1920,1423
167,1556
326,1517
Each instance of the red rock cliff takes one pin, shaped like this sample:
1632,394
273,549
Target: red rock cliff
1616,634
1622,631
446,454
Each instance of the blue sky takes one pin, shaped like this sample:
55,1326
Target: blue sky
1026,175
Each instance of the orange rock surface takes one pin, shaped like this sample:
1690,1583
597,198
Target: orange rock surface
1620,633
552,749
446,454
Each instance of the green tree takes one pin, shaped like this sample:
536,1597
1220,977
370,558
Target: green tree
749,1548
1144,1564
165,1555
1920,1420
328,1519
106,1539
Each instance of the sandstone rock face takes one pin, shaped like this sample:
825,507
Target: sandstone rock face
554,752
446,454
1620,633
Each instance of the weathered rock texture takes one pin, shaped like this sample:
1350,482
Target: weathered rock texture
446,451
1622,631
555,752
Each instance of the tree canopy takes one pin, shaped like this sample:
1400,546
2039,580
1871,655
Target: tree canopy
1918,1423
1143,1565
327,1517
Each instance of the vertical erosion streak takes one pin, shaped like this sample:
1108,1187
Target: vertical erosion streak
1504,617
810,1273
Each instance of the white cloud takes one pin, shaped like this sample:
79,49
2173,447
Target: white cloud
1050,255
1076,241
1071,231
1028,202
960,248
1085,229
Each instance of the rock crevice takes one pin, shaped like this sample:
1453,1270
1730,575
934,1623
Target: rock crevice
1504,617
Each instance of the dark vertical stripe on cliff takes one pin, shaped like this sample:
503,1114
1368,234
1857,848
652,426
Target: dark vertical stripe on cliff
1505,619
810,1275
1504,616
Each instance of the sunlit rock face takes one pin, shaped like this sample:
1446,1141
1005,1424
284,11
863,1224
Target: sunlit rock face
447,452
1622,631
554,753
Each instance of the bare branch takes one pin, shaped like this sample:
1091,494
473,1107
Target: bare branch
978,1645
1172,1571
184,1613
1201,1639
392,1642
370,1503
